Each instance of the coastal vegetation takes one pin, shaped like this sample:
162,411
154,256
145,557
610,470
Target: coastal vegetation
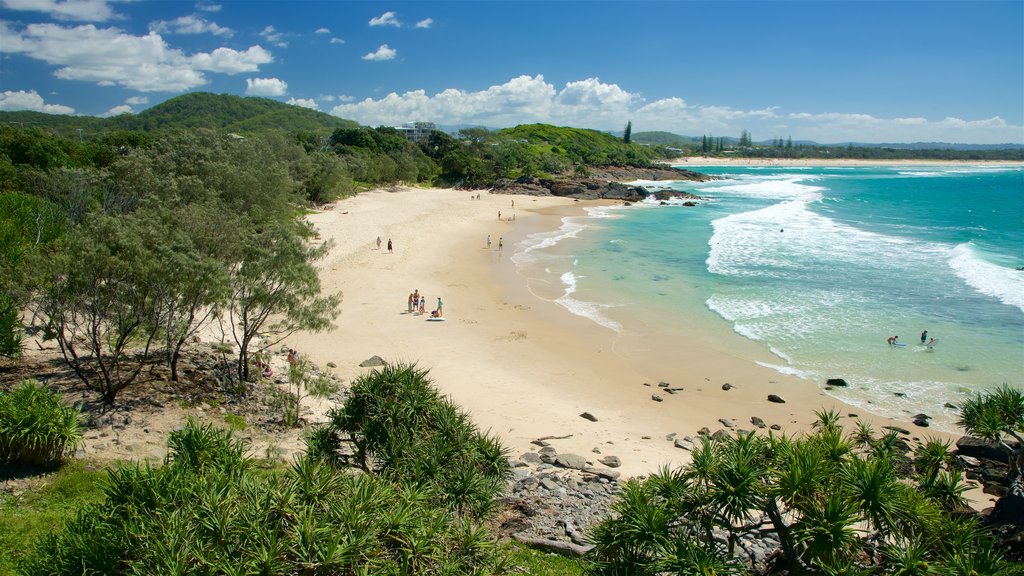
832,502
779,148
122,239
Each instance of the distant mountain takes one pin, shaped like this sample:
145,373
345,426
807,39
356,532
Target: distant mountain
224,112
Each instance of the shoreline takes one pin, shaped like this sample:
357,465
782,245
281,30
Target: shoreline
823,162
520,365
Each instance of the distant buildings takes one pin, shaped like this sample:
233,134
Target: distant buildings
417,131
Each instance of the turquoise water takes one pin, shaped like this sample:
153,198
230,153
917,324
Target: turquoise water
818,266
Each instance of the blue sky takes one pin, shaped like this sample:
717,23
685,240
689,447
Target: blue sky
827,71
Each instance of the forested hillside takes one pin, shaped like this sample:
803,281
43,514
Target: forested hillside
190,111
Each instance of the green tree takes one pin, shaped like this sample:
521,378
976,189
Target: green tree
275,290
627,134
100,302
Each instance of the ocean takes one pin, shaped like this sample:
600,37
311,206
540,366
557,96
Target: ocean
816,267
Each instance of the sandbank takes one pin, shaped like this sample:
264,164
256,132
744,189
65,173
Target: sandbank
711,161
522,366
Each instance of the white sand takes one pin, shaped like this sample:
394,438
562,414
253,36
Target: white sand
523,367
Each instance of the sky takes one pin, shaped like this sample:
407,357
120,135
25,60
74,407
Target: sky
827,71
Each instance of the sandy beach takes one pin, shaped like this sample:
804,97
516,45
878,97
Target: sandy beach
709,161
522,366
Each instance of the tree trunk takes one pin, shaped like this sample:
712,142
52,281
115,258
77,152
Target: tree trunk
785,537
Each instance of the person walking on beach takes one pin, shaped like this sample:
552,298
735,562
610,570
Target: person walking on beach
488,241
389,246
440,312
924,336
500,242
499,214
423,304
378,242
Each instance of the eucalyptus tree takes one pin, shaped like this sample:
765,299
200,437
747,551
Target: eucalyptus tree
275,289
100,301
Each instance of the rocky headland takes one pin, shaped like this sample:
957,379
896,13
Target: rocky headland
604,183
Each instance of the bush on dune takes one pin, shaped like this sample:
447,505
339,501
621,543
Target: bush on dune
35,428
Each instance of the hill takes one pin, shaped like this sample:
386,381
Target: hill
223,112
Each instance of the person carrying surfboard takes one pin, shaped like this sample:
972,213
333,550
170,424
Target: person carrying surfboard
892,340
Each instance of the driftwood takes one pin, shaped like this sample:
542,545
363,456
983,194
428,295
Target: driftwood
563,548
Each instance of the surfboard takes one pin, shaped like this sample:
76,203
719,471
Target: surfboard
435,319
900,344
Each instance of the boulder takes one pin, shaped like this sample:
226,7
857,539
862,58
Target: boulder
757,422
980,448
727,386
611,461
657,398
839,382
776,399
373,362
588,416
574,461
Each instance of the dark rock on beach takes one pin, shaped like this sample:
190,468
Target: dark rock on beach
588,416
776,399
838,382
373,362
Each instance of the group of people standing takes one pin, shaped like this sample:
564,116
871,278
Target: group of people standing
925,341
418,305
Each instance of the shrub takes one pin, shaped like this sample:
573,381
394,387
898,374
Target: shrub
404,430
35,428
203,514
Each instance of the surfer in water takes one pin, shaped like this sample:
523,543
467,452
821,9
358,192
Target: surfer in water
931,344
892,340
924,336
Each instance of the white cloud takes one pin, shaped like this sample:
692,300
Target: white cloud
117,111
323,30
228,61
208,7
191,24
386,19
337,41
80,10
137,100
265,87
427,23
382,53
109,57
11,101
590,103
274,37
304,103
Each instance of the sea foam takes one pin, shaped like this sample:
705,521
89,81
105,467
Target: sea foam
1005,284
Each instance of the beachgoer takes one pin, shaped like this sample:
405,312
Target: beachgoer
408,303
931,343
378,242
423,304
501,242
389,246
892,340
924,336
439,306
499,214
488,241
513,203
293,357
